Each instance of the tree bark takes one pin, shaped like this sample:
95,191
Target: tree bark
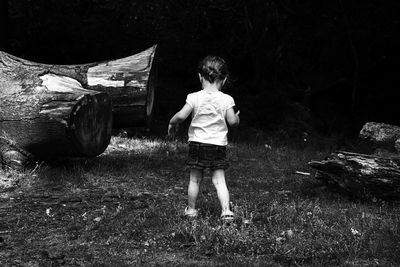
131,83
46,112
360,174
382,135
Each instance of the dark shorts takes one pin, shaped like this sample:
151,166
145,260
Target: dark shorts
206,156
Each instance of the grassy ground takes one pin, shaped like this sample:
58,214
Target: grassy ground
124,208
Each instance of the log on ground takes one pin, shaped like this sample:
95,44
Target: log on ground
46,112
130,82
362,175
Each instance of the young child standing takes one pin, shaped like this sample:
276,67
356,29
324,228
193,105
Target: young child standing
211,111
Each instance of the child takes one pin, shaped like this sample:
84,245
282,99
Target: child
211,110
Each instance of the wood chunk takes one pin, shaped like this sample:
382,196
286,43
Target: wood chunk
361,174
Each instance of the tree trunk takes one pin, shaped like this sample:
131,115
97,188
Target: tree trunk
361,174
68,110
46,112
131,83
382,135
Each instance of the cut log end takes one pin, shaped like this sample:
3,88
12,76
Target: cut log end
151,88
91,124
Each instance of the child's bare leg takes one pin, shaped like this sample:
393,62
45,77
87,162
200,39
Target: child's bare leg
218,179
196,176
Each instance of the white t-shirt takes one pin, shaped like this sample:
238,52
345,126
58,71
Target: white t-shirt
208,117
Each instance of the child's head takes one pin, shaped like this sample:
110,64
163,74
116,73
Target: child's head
213,69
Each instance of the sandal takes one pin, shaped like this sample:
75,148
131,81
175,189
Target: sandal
227,216
192,213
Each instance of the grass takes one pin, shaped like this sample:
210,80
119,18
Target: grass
124,208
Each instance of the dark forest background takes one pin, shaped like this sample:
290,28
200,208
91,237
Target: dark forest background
297,65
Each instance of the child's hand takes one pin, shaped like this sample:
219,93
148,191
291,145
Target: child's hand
237,117
232,116
172,129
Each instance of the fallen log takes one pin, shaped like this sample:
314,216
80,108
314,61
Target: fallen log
362,175
45,114
129,81
69,110
382,135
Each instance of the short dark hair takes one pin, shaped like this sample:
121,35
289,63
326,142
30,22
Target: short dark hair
213,68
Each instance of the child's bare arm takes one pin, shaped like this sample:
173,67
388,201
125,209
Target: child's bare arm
179,117
232,117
